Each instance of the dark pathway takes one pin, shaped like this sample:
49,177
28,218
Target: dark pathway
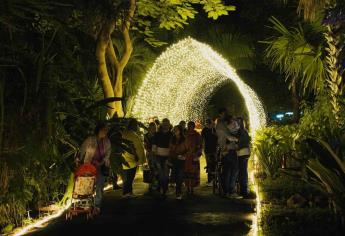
202,214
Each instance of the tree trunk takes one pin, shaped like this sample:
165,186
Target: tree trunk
120,66
118,91
102,44
334,77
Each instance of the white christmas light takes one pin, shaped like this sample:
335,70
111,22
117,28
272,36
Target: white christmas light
183,78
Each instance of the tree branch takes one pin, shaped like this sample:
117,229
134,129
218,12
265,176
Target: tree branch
125,33
114,61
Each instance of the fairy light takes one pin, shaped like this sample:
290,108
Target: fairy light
183,78
180,84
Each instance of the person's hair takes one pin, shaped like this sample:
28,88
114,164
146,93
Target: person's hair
241,122
166,120
182,137
228,119
222,110
182,122
157,122
99,126
133,124
191,124
152,124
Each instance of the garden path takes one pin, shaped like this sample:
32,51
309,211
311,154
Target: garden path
202,214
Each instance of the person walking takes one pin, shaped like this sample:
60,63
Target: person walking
133,159
182,123
227,144
148,144
209,143
192,163
178,150
243,155
230,160
96,150
161,143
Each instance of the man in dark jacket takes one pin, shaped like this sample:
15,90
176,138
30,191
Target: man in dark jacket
160,148
209,141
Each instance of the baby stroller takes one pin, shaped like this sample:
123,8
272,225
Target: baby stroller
83,194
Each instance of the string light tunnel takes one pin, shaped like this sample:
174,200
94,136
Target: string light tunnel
180,84
182,80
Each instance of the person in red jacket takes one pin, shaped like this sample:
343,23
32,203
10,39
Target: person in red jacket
192,163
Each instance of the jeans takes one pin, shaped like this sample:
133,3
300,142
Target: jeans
211,166
163,170
129,175
243,174
179,175
230,172
100,179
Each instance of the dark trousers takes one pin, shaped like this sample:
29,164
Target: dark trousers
230,172
163,170
172,170
243,174
129,175
179,174
210,166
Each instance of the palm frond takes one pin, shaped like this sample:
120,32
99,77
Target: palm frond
292,54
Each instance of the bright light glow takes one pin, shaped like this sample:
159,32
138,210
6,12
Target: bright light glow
256,220
182,80
289,113
40,223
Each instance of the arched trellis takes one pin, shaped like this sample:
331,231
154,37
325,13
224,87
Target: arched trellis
181,81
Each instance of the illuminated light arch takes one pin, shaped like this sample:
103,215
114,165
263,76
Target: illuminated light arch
183,78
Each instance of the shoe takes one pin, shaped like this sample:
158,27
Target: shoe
209,184
131,195
126,196
234,196
179,197
116,187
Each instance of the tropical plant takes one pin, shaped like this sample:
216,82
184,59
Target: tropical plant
334,36
298,53
272,145
327,171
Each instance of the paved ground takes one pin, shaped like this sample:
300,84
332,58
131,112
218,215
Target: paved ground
201,214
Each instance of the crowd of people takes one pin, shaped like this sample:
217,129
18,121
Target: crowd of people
173,154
